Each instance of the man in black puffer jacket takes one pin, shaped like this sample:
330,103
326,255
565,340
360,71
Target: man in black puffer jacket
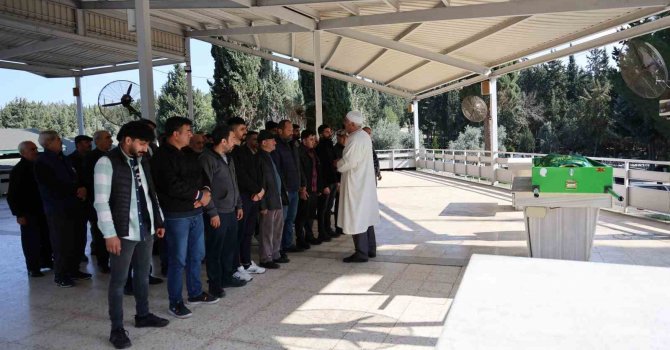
183,190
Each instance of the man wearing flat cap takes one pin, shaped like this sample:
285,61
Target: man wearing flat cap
358,207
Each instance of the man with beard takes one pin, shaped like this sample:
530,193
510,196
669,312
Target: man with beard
128,216
359,207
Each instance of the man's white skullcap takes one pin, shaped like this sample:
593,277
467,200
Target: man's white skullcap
355,117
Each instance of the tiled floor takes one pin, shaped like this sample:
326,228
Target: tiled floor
398,301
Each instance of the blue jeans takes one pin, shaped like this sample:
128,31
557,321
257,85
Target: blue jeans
290,212
186,239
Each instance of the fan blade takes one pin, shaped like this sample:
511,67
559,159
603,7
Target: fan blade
112,104
130,87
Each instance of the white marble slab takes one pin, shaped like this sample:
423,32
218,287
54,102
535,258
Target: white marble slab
521,303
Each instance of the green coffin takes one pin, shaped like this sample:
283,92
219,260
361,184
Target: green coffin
556,173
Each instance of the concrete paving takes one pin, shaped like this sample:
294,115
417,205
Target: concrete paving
430,227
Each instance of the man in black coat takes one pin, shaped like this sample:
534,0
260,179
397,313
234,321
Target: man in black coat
25,202
83,147
326,152
62,195
311,168
103,143
339,149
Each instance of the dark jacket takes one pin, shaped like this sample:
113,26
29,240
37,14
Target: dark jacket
375,161
326,152
248,170
274,197
222,176
23,195
57,182
307,163
119,199
179,178
77,161
87,170
339,150
287,161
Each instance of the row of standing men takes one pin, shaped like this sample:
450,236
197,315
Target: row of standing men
220,191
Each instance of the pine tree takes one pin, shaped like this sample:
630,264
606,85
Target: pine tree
235,87
173,101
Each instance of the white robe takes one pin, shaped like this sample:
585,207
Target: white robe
358,208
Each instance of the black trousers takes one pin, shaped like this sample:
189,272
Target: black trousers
139,254
98,241
220,247
305,218
82,226
337,207
366,243
245,230
63,233
324,206
35,242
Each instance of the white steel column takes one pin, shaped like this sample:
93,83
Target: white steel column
493,133
493,127
80,107
144,57
415,110
189,78
318,104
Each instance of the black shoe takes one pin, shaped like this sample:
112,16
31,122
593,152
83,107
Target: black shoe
36,273
180,310
324,238
164,270
313,241
269,265
64,282
294,249
219,293
354,259
105,269
234,282
304,245
150,320
119,338
155,280
84,259
203,298
48,266
128,290
333,234
80,275
282,260
372,255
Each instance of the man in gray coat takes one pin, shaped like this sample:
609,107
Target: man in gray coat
222,212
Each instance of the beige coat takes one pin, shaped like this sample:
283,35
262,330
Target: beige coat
358,207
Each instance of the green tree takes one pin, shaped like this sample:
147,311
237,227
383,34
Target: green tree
235,87
336,99
173,102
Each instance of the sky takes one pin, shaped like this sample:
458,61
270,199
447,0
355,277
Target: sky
15,84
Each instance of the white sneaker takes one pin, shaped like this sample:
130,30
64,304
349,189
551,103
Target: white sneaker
253,268
242,275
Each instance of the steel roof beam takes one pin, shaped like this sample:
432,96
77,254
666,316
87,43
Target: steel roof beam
471,40
489,10
49,71
251,30
332,53
614,23
36,28
34,47
308,67
411,50
161,4
643,29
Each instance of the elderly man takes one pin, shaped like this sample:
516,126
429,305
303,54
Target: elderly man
25,203
62,195
359,208
197,143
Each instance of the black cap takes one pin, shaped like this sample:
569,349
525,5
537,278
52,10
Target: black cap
81,138
265,135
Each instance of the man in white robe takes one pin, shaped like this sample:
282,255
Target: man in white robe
358,207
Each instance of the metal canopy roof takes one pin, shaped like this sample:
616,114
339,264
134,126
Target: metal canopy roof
405,47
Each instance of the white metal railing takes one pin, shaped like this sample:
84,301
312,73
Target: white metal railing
641,185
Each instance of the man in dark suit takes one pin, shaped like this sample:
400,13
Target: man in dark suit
25,202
